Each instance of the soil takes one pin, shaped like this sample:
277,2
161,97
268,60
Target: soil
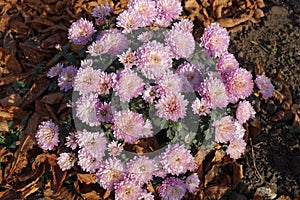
271,161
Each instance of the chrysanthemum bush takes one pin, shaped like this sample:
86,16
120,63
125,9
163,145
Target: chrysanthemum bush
146,78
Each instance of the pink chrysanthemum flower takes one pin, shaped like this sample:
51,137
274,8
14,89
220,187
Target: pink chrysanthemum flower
110,173
93,142
145,36
98,47
224,129
114,148
177,160
214,92
215,40
239,130
106,82
150,93
236,148
130,126
127,190
129,85
140,169
100,12
129,21
71,141
227,64
87,80
244,112
47,135
171,107
201,107
104,112
239,84
192,182
182,44
128,58
154,59
55,70
169,83
118,41
168,10
172,188
146,10
160,170
66,78
86,109
87,162
265,86
66,161
81,31
86,63
184,25
191,74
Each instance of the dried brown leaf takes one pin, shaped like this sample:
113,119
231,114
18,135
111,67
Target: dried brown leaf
106,194
215,192
11,100
211,175
237,174
63,194
92,195
219,155
282,116
87,178
3,125
296,111
9,194
231,22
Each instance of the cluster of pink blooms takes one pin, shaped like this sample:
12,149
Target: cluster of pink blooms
147,74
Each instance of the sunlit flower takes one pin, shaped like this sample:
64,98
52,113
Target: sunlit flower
145,9
86,63
172,107
81,31
86,80
244,112
130,126
110,172
150,93
86,109
146,196
177,160
129,21
265,86
145,36
129,85
224,129
154,59
106,82
47,135
183,25
201,107
127,190
169,83
114,148
66,161
87,162
236,148
192,182
55,70
227,63
98,47
215,40
128,58
239,130
172,188
66,78
168,10
71,141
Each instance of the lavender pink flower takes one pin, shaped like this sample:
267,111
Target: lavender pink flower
127,190
215,40
236,148
201,107
71,141
129,85
107,81
66,78
168,10
130,126
244,112
98,47
104,112
265,86
81,31
184,25
111,171
128,58
86,109
192,182
66,161
171,107
55,70
129,21
169,83
100,12
172,188
88,162
47,135
224,129
154,59
87,80
227,63
114,148
191,74
145,9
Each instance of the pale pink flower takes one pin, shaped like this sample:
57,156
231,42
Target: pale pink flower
169,83
201,107
71,141
265,86
236,148
184,25
192,182
129,21
86,109
171,107
87,80
227,63
145,9
87,162
98,47
47,135
224,129
114,148
191,74
128,58
130,126
129,85
168,10
100,12
110,172
146,196
172,188
150,93
244,112
81,31
239,130
66,161
106,82
127,190
145,36
215,40
86,63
